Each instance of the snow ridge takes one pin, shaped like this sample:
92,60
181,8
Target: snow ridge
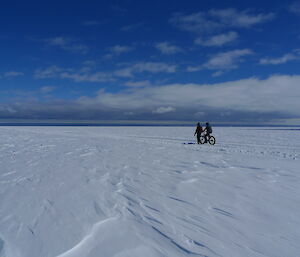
88,242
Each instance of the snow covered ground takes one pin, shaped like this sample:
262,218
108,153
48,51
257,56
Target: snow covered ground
141,192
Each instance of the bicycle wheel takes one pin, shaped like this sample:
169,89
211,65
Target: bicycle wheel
212,140
202,140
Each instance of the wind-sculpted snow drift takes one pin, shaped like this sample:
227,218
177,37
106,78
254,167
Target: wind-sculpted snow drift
139,191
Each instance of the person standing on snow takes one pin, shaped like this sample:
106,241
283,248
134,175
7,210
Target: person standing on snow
198,131
208,131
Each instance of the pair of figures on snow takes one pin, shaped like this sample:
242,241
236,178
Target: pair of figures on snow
199,130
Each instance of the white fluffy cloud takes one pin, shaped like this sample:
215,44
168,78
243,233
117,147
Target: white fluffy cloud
11,74
142,83
132,27
118,50
295,7
67,44
77,76
214,20
223,61
167,48
140,67
227,60
86,73
244,19
280,60
47,89
89,77
162,110
218,40
50,72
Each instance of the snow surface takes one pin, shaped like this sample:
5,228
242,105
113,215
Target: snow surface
141,192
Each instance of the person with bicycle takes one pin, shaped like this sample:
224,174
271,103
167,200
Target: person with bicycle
198,131
208,131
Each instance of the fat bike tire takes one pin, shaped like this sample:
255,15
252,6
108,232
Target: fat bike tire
212,140
202,140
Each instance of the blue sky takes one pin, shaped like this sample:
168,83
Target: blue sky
230,61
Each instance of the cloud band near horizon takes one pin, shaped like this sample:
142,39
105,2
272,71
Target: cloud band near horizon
250,99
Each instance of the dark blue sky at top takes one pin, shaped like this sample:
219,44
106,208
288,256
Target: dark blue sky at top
67,50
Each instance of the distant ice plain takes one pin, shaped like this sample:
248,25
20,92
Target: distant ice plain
140,192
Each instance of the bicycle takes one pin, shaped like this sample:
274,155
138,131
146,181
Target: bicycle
211,139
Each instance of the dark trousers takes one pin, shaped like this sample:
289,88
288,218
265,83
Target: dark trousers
198,137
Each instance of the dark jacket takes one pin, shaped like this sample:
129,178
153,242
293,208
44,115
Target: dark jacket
208,129
198,130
